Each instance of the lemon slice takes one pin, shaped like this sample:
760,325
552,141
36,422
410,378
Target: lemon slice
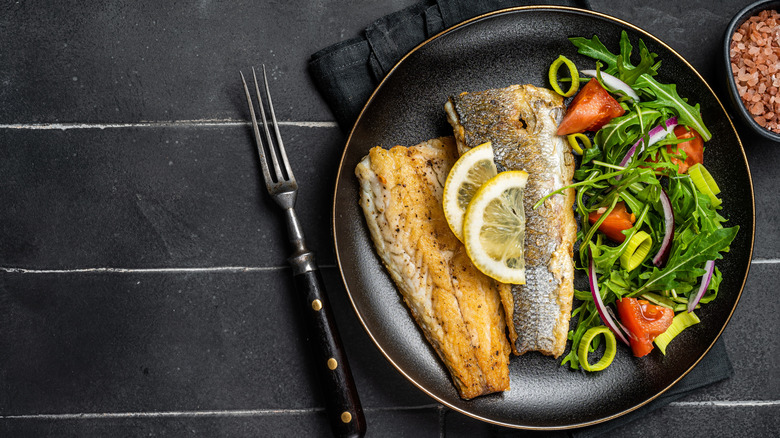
494,227
465,178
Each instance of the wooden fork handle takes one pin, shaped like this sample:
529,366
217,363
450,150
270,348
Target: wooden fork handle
341,398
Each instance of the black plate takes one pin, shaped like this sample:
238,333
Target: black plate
517,46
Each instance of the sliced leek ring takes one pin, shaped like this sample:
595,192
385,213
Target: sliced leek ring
705,182
574,142
681,321
609,349
636,251
552,75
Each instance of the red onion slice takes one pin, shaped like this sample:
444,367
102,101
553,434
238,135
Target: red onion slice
614,83
656,134
705,282
619,324
594,290
666,244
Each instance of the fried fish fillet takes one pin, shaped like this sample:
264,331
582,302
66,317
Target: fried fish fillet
457,307
521,121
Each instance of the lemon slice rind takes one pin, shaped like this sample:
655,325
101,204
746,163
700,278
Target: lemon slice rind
494,227
467,175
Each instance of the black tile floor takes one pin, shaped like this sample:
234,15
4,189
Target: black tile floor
173,196
143,285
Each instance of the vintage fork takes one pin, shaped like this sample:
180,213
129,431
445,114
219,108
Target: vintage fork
343,405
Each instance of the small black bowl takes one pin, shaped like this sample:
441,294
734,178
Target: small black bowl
737,21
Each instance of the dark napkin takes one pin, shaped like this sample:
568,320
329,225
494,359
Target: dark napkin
347,73
714,367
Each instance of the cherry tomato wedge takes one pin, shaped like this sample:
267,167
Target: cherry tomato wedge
590,109
619,219
644,321
693,148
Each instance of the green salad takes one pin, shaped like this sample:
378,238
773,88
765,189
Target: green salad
650,231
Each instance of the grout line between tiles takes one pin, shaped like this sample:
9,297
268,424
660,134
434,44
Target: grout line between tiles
144,270
442,422
764,261
11,270
264,412
168,414
189,414
208,269
728,403
171,124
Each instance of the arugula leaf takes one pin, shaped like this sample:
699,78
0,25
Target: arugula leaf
707,214
619,65
666,96
583,324
699,250
593,48
682,196
624,130
626,71
590,153
619,283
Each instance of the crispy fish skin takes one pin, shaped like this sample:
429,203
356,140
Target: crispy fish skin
521,121
457,307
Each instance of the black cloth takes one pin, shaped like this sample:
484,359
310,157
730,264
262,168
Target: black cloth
347,73
714,367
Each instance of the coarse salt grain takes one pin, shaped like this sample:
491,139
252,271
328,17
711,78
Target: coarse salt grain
754,52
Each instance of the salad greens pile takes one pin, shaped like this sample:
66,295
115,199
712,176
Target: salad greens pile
604,178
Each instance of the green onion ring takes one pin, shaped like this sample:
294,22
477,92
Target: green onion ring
574,142
609,350
553,76
636,251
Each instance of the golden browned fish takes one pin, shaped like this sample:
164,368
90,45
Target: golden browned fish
521,121
457,307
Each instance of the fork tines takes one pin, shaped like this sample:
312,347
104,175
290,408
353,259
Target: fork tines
283,174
